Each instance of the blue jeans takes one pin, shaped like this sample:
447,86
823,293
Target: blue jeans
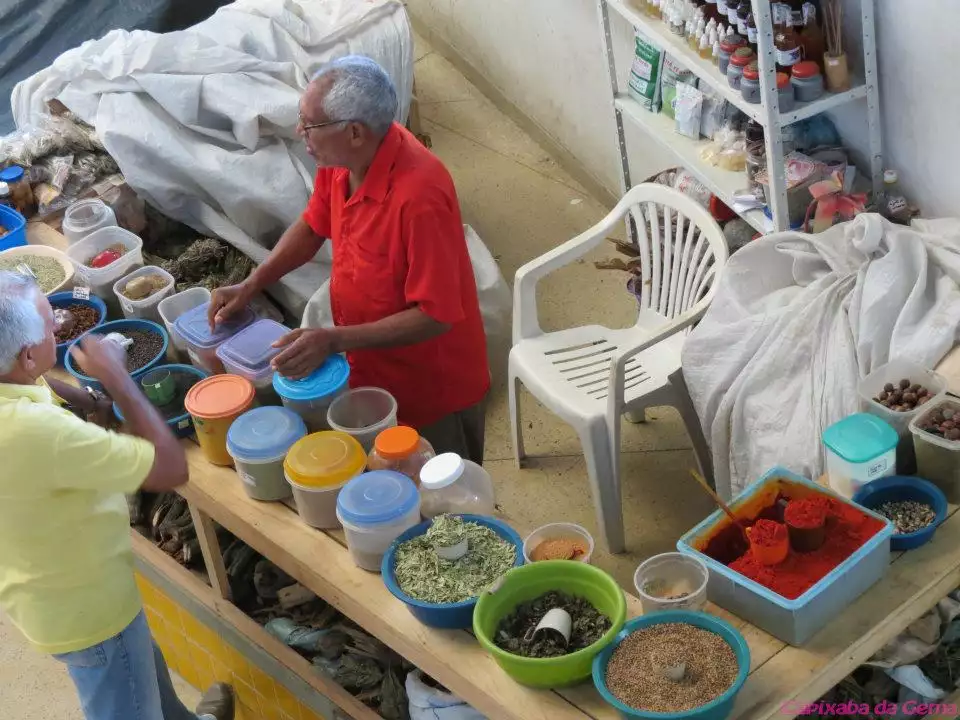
125,678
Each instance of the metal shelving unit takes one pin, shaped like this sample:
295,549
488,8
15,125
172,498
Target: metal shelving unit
723,183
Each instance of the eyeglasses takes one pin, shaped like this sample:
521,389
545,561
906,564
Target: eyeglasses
313,126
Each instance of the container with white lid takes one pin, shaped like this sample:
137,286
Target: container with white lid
258,442
310,397
859,448
450,484
317,467
375,508
249,352
85,217
194,327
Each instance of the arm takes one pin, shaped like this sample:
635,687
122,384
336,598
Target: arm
98,411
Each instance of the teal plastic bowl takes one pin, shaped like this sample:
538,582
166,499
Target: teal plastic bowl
718,708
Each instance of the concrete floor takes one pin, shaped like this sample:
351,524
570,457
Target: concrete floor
521,203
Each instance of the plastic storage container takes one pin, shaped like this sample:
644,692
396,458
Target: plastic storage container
897,488
101,280
258,442
750,84
442,615
120,326
364,413
793,621
15,226
147,308
807,81
401,449
317,467
552,531
85,217
938,459
741,57
450,484
859,448
375,508
44,251
194,327
173,306
64,300
214,404
717,709
785,93
671,581
249,352
177,417
310,397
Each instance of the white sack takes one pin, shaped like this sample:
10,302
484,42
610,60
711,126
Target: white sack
202,121
798,319
430,703
492,290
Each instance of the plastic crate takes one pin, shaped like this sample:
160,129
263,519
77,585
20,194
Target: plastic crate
15,225
792,621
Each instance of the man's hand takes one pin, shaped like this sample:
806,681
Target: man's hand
227,302
304,351
101,359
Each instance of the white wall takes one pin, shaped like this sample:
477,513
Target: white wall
546,57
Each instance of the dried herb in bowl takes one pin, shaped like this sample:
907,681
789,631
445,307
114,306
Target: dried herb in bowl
425,576
515,630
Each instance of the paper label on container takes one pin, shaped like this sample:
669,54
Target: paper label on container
183,424
877,469
81,293
788,57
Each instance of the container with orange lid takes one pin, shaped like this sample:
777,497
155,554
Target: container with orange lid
741,57
728,46
806,80
316,467
214,403
785,91
750,83
401,449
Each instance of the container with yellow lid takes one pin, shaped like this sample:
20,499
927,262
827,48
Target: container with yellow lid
401,449
316,467
214,403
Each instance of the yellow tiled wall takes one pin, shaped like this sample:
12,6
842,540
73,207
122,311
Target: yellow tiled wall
201,657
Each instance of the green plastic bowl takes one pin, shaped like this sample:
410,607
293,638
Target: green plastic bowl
531,581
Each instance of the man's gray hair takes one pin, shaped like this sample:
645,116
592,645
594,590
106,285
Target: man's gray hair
21,325
361,91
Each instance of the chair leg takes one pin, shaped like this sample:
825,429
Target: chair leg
513,385
688,413
604,484
635,416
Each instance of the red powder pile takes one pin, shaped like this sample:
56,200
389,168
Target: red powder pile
768,533
808,513
846,529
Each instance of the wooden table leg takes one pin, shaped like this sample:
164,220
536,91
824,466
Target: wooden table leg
212,554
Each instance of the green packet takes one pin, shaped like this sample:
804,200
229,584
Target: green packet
644,83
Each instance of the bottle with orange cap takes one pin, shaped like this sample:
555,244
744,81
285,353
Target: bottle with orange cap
401,449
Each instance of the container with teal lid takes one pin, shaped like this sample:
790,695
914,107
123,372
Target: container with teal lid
248,354
202,343
375,508
859,448
311,396
258,442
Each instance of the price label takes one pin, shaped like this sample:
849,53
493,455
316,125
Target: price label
183,424
81,293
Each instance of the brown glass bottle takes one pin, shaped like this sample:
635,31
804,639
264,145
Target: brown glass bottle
811,36
786,40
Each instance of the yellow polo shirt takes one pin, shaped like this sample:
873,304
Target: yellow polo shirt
66,561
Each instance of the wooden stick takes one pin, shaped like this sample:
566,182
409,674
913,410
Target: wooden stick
720,503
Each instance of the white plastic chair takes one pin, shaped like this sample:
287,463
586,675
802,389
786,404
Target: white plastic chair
592,375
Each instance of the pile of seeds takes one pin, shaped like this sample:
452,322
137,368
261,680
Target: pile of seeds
422,574
637,672
146,346
908,515
904,397
515,631
943,422
48,271
84,318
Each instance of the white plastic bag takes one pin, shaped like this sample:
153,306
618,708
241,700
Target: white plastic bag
429,703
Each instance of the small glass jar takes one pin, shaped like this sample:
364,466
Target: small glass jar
750,84
807,81
450,484
401,449
785,92
728,46
20,190
738,61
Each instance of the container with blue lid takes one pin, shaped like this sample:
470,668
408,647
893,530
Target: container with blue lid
859,448
311,396
374,509
202,344
258,442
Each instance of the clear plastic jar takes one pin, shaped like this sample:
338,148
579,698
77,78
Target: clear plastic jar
750,84
20,190
401,449
738,61
450,484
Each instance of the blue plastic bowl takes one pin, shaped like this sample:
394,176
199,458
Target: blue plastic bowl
451,616
181,425
119,326
62,300
718,708
16,226
901,487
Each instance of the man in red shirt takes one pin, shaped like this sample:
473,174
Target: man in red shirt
402,290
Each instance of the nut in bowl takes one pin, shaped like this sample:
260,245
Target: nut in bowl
558,541
914,506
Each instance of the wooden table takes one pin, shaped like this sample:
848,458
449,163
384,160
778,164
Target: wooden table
781,677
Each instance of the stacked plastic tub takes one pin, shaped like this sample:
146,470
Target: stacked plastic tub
311,396
258,442
248,354
173,306
202,344
317,467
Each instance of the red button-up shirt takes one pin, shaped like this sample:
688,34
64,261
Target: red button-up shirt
398,243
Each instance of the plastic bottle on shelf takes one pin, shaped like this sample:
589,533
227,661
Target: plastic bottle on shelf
891,203
400,449
752,33
743,11
789,50
706,47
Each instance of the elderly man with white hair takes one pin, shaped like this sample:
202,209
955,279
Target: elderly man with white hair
402,290
66,561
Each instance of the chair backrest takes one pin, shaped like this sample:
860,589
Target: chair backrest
682,249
